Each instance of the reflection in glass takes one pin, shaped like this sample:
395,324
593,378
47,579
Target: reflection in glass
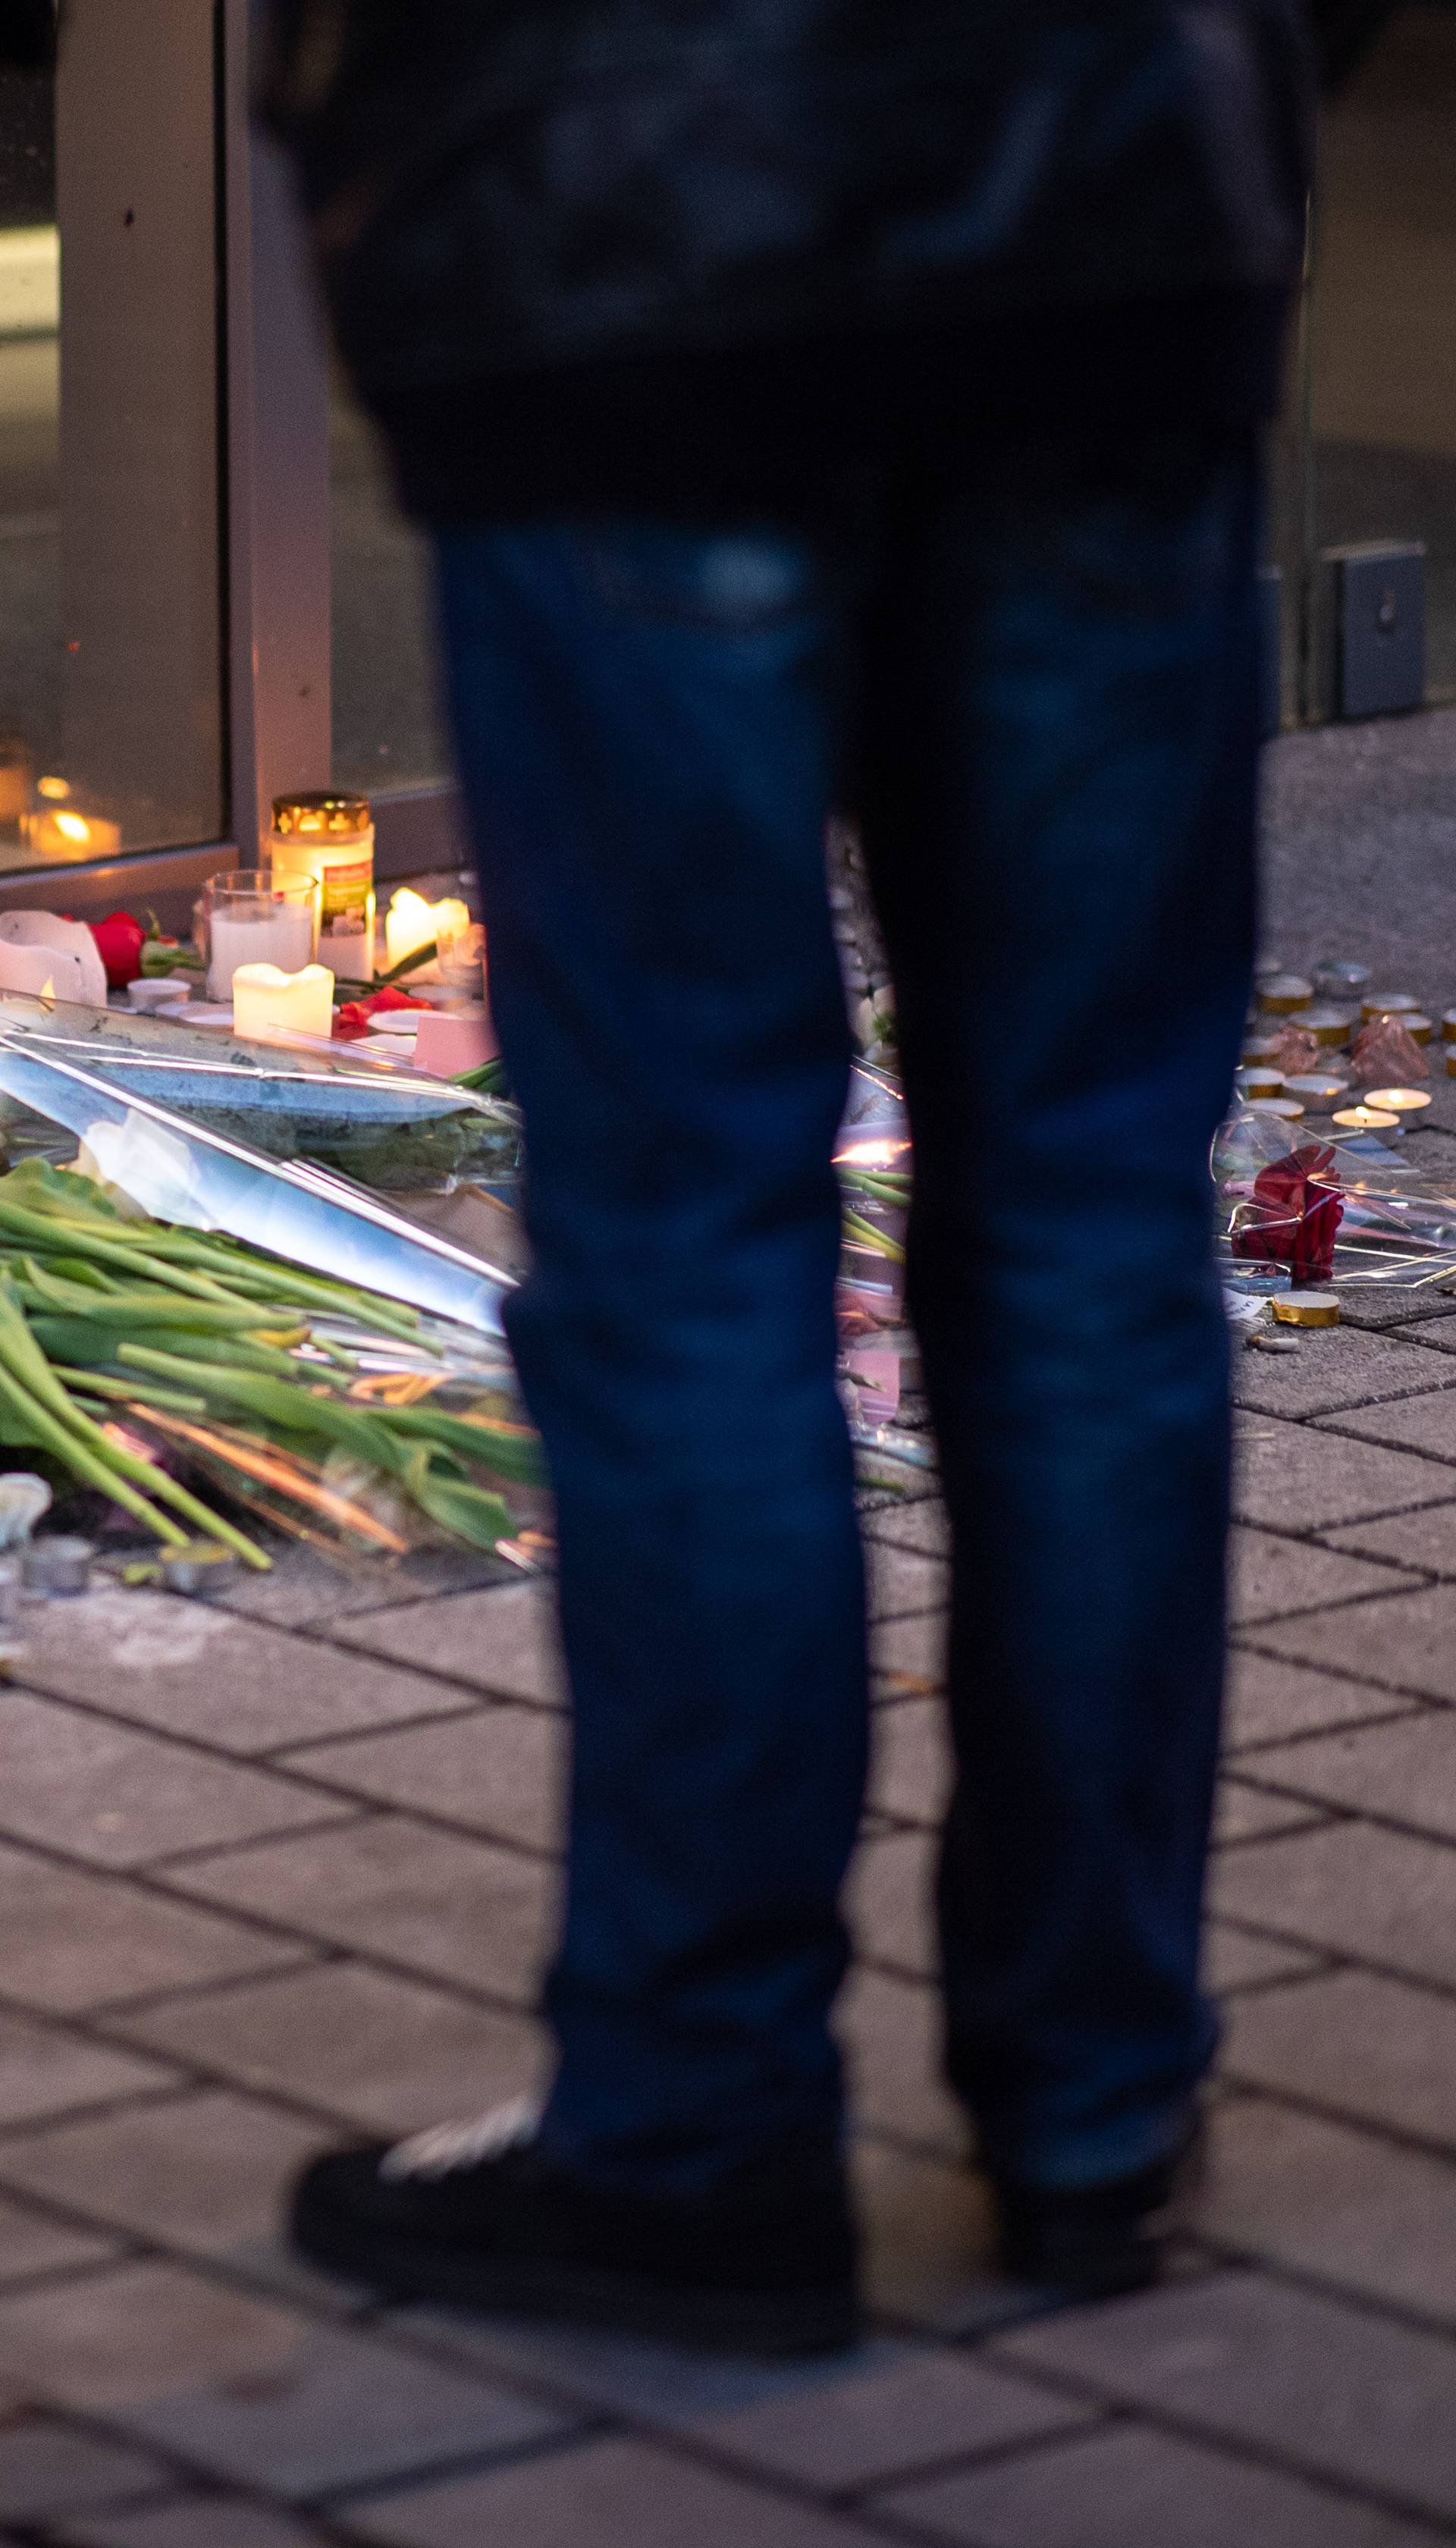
111,732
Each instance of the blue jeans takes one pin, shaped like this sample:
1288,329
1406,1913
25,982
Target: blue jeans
1039,693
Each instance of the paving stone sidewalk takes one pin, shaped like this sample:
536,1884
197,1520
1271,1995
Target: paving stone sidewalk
281,1867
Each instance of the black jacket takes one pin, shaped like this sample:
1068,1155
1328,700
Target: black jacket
510,186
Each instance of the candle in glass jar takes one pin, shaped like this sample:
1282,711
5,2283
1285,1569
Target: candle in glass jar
280,937
263,998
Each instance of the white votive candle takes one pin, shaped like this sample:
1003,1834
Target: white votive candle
278,934
264,999
411,924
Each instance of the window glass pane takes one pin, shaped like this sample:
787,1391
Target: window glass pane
387,729
111,663
1383,377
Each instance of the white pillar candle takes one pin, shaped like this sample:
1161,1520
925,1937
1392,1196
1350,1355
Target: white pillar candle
263,999
280,935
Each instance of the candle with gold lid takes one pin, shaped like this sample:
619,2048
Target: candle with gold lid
330,836
1259,1079
1328,1025
1416,1026
1307,1309
1283,995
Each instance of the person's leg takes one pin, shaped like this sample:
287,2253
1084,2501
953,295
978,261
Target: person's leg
1059,799
645,732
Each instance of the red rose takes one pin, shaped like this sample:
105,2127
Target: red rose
1294,1215
120,939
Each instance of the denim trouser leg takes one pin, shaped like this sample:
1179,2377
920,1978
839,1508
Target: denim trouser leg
643,740
1059,780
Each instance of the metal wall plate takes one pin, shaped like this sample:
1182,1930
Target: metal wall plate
1370,629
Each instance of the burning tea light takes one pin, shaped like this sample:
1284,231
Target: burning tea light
1367,1119
411,924
1399,1101
58,832
1386,1004
264,999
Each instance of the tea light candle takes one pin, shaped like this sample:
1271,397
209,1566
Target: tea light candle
1283,994
1307,1309
1448,1025
1386,1003
1416,1025
1367,1119
412,923
1315,1091
1259,1079
263,999
1399,1101
1336,979
1288,1107
1328,1026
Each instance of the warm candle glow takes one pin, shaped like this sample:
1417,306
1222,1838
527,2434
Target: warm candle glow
412,923
56,832
1366,1119
263,998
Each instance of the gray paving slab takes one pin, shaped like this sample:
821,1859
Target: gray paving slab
928,2233
911,1767
195,2522
891,2032
342,2411
1234,1961
1401,1641
304,1587
74,1938
924,1527
1353,1888
1426,1539
1295,1477
1244,1812
1270,1576
1108,2490
383,2054
204,2172
47,2070
1406,1770
1423,1425
193,1667
1323,2197
495,1770
1324,2387
49,2469
119,2342
901,1581
911,1651
1387,1306
1340,1367
1271,1698
1360,2044
504,1641
889,1901
614,2493
462,1909
115,1793
33,2242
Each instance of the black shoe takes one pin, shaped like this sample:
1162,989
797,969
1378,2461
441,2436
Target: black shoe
1089,2242
478,2216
